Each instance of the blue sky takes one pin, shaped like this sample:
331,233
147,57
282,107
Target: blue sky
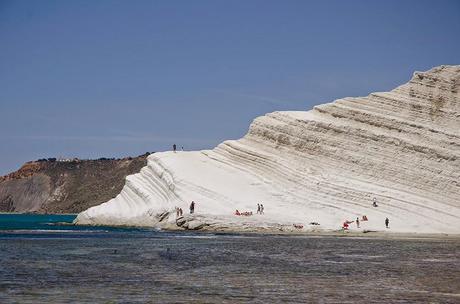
114,78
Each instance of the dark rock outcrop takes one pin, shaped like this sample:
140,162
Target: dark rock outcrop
68,186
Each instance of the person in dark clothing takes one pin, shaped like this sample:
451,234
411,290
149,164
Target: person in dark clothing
192,207
258,208
174,147
357,222
374,203
387,222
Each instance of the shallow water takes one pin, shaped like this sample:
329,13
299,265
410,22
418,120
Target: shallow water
101,265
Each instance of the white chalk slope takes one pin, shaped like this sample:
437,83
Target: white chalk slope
324,165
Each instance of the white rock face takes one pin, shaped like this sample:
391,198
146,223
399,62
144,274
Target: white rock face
325,165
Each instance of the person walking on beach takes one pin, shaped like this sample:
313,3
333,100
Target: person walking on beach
258,208
261,209
387,222
174,148
192,207
357,222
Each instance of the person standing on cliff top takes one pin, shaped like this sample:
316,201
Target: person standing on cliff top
192,207
387,222
174,148
258,208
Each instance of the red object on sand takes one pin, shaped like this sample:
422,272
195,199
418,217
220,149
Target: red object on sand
244,213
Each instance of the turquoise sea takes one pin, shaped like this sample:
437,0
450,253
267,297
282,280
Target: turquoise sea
46,260
35,222
45,223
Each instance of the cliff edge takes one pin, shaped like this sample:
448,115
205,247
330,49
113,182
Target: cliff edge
65,186
323,166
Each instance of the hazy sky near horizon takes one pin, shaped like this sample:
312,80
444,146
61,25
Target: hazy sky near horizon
115,78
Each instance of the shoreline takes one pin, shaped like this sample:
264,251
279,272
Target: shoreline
33,213
329,233
167,221
296,233
274,229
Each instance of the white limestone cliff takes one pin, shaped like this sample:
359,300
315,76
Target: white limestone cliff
324,165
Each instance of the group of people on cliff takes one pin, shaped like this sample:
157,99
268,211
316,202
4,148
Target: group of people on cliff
180,212
347,223
175,148
260,210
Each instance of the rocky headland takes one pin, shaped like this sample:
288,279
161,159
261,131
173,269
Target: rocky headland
324,166
67,185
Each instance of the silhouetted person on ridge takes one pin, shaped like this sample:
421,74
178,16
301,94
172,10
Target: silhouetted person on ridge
387,222
192,207
174,147
357,222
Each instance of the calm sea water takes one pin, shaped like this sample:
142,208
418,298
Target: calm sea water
42,262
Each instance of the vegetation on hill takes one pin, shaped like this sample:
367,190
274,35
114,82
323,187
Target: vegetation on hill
65,186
